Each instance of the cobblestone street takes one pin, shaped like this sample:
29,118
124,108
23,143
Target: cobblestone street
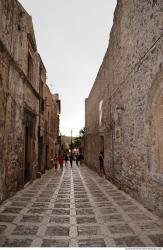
75,208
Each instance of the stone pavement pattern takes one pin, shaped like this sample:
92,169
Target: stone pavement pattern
75,208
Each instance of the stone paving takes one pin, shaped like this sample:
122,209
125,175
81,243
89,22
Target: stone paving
76,208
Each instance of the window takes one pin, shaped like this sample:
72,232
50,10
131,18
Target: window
42,103
154,114
41,88
159,134
48,121
100,113
41,97
30,67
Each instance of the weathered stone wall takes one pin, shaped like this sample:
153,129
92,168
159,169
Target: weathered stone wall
4,78
134,61
95,129
42,126
11,125
17,93
23,108
51,117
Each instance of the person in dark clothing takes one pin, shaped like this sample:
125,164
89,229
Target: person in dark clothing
71,159
55,161
66,160
81,156
101,162
77,159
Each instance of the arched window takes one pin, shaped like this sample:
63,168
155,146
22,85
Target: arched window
158,120
2,100
155,122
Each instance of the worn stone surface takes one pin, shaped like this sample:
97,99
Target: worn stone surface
17,243
91,243
2,228
6,218
25,230
123,114
131,241
60,211
32,218
55,243
60,220
99,224
88,230
57,231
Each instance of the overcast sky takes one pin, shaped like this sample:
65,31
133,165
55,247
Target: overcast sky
72,37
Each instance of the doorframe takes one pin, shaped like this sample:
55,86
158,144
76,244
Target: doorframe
29,117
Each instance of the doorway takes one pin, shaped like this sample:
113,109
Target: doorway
102,144
29,146
40,154
46,157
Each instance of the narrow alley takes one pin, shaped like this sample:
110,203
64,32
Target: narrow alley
76,208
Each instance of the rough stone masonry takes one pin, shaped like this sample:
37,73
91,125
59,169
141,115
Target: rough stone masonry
24,146
124,110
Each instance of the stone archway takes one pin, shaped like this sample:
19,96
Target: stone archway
155,126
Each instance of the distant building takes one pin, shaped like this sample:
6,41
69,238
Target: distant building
65,142
52,111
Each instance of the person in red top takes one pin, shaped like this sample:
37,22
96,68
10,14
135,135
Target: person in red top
61,161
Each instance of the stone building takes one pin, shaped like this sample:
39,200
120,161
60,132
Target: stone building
42,123
52,111
124,108
22,84
65,142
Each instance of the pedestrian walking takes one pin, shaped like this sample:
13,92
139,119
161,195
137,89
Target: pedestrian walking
71,160
101,162
66,160
74,158
77,159
55,162
81,158
52,163
61,161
